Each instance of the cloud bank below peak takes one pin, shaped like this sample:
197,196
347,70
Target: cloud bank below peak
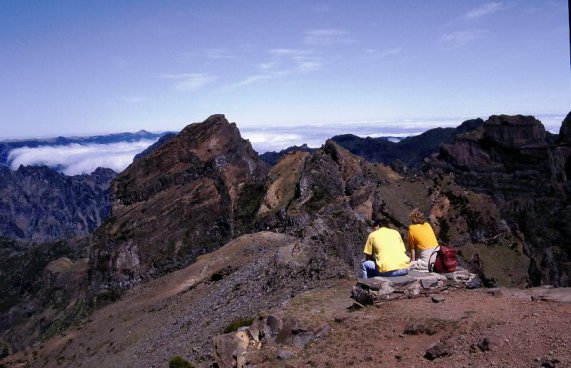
77,159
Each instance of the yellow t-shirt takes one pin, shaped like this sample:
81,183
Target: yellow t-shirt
421,236
388,249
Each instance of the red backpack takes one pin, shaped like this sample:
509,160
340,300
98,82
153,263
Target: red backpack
445,260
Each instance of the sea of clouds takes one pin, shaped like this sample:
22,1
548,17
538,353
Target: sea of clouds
75,159
314,135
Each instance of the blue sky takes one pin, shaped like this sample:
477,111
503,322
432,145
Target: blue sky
84,67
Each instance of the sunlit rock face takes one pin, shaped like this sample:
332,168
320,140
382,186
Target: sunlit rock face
188,197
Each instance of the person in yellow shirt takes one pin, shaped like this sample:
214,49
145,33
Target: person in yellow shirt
385,252
421,241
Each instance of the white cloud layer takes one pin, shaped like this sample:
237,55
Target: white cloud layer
76,159
314,135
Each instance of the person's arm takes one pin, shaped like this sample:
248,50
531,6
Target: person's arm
411,246
368,251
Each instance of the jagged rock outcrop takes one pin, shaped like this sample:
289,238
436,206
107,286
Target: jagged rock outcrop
506,157
40,204
328,197
510,159
188,197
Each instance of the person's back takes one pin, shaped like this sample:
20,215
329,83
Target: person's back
421,241
388,249
385,252
421,236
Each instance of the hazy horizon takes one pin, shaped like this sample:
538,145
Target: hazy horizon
74,159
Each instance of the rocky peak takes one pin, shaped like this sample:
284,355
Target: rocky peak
515,131
509,158
187,197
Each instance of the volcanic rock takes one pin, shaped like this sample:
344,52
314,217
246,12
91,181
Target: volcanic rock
527,178
188,197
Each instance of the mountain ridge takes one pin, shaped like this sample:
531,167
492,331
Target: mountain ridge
204,199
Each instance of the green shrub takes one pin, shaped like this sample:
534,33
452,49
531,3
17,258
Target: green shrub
179,362
236,324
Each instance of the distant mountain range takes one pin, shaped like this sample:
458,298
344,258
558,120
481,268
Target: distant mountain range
411,151
8,145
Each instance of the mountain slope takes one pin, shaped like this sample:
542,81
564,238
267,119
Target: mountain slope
188,197
178,314
40,204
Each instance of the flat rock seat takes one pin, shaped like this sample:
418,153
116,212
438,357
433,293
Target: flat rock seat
415,284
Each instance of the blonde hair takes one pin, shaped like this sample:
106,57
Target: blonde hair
416,217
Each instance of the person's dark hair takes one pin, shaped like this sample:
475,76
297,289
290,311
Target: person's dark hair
382,222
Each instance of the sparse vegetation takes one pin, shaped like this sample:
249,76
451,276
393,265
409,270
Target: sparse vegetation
179,362
236,324
4,350
444,234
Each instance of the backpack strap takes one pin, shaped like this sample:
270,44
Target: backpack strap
431,264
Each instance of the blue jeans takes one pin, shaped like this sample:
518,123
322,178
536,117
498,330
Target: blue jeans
369,269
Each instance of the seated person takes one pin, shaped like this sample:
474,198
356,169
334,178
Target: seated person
421,241
385,252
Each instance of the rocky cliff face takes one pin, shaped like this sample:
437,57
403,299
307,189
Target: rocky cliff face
40,204
528,178
328,197
188,197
